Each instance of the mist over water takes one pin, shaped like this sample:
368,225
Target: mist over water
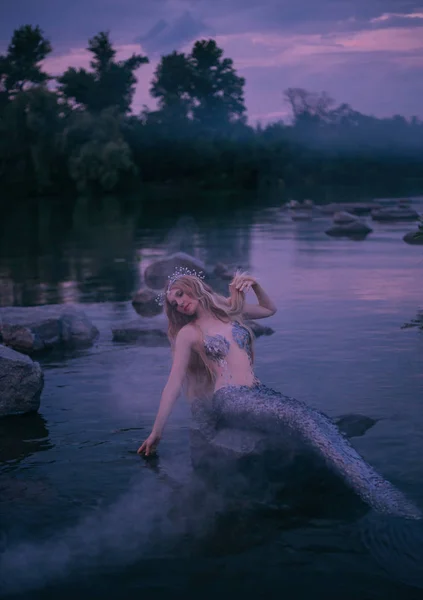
147,521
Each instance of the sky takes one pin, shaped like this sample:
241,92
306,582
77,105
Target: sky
367,53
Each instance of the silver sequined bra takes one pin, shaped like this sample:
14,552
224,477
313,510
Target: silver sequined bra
217,346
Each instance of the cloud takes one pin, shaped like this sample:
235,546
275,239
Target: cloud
258,50
390,16
171,23
303,16
166,36
69,24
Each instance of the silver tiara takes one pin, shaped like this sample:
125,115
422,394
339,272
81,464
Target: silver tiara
177,274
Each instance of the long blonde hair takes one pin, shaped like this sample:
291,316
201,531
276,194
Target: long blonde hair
201,375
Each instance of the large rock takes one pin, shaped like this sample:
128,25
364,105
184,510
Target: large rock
221,270
354,229
156,275
34,329
248,464
395,214
153,331
244,442
21,383
145,303
414,237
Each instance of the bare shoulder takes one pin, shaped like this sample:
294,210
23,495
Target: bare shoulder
187,335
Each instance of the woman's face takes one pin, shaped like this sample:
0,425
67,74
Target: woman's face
181,301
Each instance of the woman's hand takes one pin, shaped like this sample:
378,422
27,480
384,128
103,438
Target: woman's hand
149,445
243,283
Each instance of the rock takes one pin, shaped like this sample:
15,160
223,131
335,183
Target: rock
145,331
362,208
34,329
49,331
294,204
242,442
329,209
417,322
21,338
342,217
21,383
354,425
307,205
414,237
156,274
223,272
145,303
258,329
239,442
256,465
395,214
77,329
356,208
355,229
153,331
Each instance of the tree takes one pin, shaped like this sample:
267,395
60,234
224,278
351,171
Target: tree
217,90
201,86
111,83
172,87
308,106
20,68
98,156
30,130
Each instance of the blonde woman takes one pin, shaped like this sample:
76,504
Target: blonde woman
213,356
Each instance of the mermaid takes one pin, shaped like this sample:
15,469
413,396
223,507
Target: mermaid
233,412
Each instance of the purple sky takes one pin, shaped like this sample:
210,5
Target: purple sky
368,53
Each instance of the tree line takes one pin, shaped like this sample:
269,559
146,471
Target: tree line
75,133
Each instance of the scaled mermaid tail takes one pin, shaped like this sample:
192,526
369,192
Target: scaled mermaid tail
261,410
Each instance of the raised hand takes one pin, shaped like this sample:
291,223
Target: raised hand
243,282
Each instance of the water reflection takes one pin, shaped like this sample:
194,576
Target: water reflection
51,256
22,436
94,255
99,254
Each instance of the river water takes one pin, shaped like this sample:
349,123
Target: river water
83,515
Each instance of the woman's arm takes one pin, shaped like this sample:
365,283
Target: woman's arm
264,308
183,346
